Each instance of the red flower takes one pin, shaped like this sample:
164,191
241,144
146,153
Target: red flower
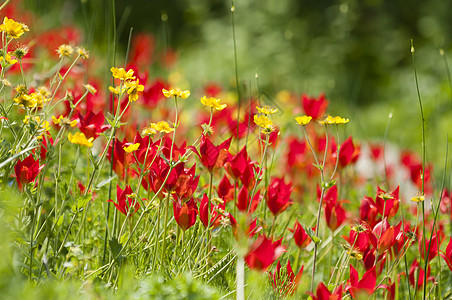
185,214
389,202
143,46
314,107
376,150
300,236
430,248
236,165
368,211
206,214
225,189
240,166
27,170
243,200
334,212
323,293
447,256
278,196
348,153
416,270
365,286
124,202
285,282
263,253
212,157
385,236
152,93
120,160
359,239
212,90
44,146
92,124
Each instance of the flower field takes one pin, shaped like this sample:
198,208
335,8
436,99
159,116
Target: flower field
121,179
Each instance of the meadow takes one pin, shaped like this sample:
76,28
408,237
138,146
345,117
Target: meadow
124,173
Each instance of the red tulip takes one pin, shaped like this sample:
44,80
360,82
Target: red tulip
125,202
152,93
300,236
389,202
447,256
322,293
368,211
313,107
263,253
208,215
243,200
348,153
278,196
334,212
92,124
185,214
416,270
363,287
225,190
27,170
212,157
335,215
424,245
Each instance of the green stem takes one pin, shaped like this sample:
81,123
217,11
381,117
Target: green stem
165,224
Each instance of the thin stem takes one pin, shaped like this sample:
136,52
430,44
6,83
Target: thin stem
165,224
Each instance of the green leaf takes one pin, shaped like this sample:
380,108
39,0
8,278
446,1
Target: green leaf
124,238
327,185
311,234
60,221
105,181
82,201
115,246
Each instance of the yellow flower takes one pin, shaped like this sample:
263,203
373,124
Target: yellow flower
148,131
115,90
65,50
134,89
131,148
120,73
82,52
264,123
7,60
266,110
177,92
64,121
355,254
80,139
90,88
27,119
44,91
162,126
23,100
12,28
45,126
303,120
418,198
21,89
212,103
329,120
37,100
